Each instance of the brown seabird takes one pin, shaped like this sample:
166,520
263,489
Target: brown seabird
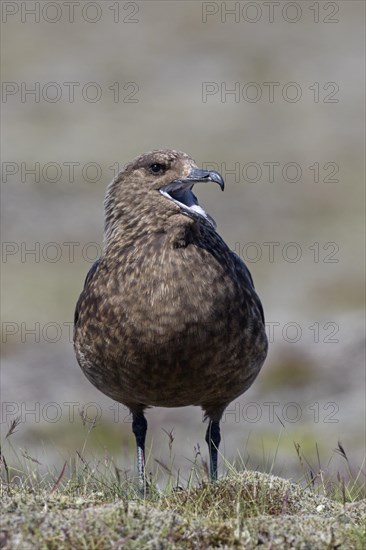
168,316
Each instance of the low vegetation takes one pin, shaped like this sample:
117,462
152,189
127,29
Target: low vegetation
93,505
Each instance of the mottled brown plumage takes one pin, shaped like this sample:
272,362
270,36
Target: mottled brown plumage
168,315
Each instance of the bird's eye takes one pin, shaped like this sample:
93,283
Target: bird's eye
156,168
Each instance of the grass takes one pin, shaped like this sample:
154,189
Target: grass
91,504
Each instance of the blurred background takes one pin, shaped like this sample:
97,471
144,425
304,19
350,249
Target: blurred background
269,94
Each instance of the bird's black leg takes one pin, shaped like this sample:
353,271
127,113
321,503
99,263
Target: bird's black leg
213,439
139,428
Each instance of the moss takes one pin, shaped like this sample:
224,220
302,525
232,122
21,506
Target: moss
241,511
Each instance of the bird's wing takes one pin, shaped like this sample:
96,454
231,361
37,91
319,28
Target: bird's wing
91,272
88,278
242,269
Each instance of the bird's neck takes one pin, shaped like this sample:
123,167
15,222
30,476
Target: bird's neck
173,230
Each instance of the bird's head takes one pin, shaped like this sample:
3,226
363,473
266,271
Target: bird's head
155,186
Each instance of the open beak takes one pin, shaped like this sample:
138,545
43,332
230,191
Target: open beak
196,175
180,192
